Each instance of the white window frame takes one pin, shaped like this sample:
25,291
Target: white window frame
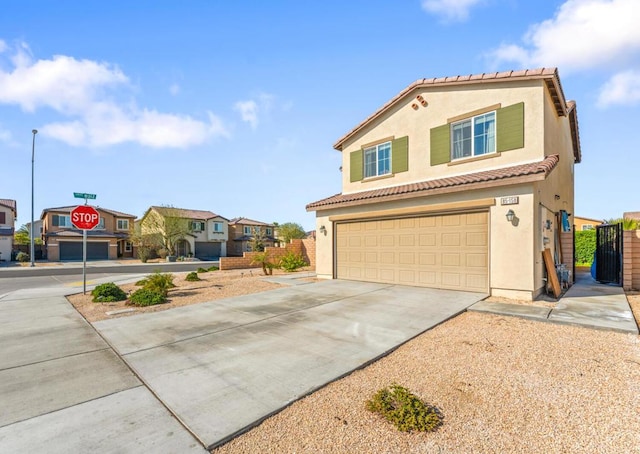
587,227
67,222
200,226
124,222
101,224
269,232
218,227
375,151
472,121
128,246
247,230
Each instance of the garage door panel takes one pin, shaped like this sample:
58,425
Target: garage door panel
446,251
72,250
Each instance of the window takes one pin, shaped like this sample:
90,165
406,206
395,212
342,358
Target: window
3,218
377,160
197,226
123,224
269,232
474,137
61,220
127,246
247,230
100,225
587,226
217,227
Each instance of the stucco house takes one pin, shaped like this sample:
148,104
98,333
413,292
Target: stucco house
456,183
207,236
109,240
581,223
242,231
8,215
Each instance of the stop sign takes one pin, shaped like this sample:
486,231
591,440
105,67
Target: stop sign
84,217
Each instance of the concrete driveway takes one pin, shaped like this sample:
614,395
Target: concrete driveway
222,367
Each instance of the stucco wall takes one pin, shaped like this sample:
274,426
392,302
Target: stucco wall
445,103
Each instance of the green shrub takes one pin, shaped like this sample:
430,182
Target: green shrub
405,410
192,276
22,257
141,283
108,292
147,297
292,261
585,246
213,268
159,282
202,270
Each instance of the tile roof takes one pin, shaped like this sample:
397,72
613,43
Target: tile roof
9,204
67,209
495,177
187,213
246,221
549,75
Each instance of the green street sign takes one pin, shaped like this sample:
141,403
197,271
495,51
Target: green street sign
82,195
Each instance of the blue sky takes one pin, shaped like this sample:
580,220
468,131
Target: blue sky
233,107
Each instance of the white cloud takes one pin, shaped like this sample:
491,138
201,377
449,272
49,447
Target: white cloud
83,90
248,112
582,34
3,46
622,88
450,10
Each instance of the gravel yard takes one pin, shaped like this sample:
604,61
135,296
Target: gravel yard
214,285
503,384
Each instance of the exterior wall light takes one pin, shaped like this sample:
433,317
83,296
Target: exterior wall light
510,215
323,229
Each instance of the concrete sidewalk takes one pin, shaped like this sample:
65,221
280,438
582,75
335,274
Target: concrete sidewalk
587,303
224,366
63,389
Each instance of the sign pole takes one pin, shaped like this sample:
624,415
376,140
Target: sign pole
84,261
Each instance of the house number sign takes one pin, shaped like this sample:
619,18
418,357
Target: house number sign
512,200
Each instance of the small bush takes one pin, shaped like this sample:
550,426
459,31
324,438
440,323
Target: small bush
159,282
192,276
585,246
213,268
405,410
141,283
107,293
22,257
202,270
147,297
292,261
162,253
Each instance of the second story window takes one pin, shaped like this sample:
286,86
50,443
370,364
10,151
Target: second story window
100,225
3,217
61,220
377,160
474,137
197,226
123,224
247,230
217,227
269,231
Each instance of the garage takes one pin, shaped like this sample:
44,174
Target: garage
448,251
72,250
208,250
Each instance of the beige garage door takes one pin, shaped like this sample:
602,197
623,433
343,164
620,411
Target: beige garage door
447,251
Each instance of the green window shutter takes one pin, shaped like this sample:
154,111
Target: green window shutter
400,155
510,127
440,144
55,221
356,165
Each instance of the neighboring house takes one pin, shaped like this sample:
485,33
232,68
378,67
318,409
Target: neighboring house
242,232
208,232
109,240
632,215
581,223
8,215
38,228
455,183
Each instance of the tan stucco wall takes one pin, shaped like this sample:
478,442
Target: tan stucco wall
511,249
445,103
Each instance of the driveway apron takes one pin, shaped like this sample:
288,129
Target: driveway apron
224,366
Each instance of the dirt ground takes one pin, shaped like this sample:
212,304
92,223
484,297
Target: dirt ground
214,285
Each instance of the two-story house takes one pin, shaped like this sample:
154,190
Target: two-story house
200,233
243,231
455,183
109,240
8,214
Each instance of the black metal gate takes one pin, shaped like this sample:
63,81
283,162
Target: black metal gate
609,254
